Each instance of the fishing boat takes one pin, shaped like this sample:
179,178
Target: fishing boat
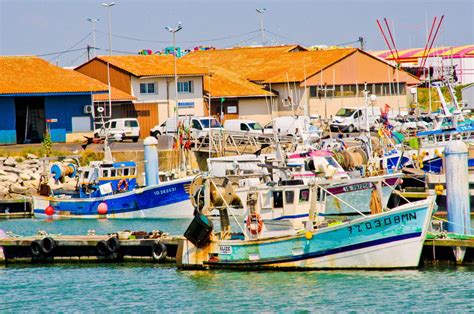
109,189
387,239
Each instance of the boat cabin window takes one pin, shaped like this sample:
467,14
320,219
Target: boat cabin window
86,175
277,199
105,173
132,171
125,172
119,172
113,172
289,197
304,196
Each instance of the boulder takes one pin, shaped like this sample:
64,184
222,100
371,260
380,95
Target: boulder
31,156
30,184
10,177
12,169
10,161
25,176
17,188
35,176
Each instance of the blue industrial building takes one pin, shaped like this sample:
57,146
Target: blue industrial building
36,95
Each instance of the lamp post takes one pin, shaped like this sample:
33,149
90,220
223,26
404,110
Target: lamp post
173,31
109,6
93,21
262,31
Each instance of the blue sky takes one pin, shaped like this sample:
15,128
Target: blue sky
37,27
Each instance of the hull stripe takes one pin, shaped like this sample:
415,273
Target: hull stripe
286,259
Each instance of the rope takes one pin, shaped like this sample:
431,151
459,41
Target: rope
450,222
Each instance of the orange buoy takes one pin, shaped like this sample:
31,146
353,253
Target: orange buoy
102,208
49,210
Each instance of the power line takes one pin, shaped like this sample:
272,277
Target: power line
182,42
59,52
74,60
285,38
73,46
245,40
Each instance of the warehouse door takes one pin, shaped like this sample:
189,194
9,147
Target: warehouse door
30,119
228,109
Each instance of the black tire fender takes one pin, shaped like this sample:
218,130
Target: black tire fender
158,251
101,247
113,244
47,245
35,248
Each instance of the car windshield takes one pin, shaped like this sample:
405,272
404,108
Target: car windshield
344,112
212,122
255,126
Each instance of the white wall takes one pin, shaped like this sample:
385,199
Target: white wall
255,109
165,94
468,96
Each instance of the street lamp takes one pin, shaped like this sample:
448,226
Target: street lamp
174,31
261,12
93,21
108,6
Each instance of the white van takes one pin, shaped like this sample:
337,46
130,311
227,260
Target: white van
200,126
124,128
168,127
241,125
295,125
352,119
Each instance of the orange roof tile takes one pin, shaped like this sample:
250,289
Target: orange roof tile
116,95
243,61
32,75
223,83
269,64
152,65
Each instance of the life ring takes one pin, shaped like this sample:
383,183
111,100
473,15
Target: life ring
250,223
122,185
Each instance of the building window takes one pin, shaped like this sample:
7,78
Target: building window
148,88
313,91
185,87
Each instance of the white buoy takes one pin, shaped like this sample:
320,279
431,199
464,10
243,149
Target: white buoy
457,192
151,161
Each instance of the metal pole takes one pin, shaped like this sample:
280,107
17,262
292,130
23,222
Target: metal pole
110,30
93,36
175,81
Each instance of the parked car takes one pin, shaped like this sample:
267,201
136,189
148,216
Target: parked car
200,126
124,128
352,119
243,125
168,127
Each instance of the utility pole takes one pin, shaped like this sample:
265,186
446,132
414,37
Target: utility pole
109,6
362,42
262,30
93,21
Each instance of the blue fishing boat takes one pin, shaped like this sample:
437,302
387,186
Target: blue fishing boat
109,189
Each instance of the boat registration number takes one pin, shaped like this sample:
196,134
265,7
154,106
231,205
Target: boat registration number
225,249
377,223
357,187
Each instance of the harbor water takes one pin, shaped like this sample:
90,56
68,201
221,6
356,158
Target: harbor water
132,287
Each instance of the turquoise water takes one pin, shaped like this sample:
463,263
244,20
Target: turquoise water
150,287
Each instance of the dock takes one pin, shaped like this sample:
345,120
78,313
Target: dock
164,248
82,248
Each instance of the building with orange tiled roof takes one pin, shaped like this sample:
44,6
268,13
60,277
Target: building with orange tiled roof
292,75
149,81
33,91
